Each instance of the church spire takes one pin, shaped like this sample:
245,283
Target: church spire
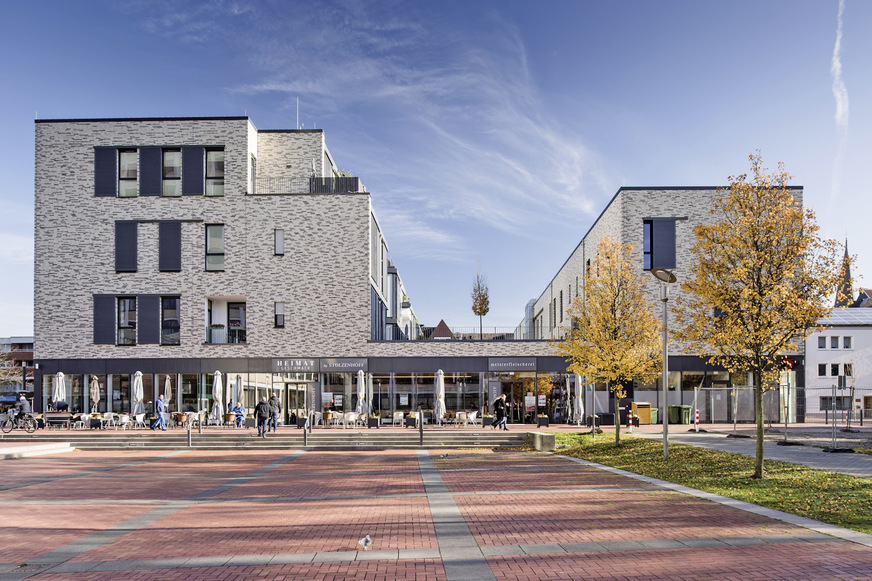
845,293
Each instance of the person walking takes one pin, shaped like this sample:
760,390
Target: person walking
261,412
274,410
159,409
500,413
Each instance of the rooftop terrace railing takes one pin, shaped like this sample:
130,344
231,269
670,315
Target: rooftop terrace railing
304,185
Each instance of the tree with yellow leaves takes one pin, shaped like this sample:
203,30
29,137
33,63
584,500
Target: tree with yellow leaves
614,336
759,281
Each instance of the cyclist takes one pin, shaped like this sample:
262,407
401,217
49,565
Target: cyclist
22,407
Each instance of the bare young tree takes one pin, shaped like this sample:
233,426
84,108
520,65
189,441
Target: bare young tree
480,298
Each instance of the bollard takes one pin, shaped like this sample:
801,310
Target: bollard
696,421
630,420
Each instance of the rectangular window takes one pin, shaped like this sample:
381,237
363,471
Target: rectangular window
236,323
843,403
834,342
561,309
215,172
128,182
280,314
253,187
169,320
126,321
846,343
658,243
172,173
834,369
849,369
215,247
822,342
279,241
822,369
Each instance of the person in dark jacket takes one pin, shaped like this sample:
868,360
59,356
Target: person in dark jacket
274,410
500,413
261,412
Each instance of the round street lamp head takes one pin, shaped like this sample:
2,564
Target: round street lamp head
664,275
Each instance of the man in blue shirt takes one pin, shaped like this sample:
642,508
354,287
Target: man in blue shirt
160,408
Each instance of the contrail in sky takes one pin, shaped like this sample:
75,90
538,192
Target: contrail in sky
840,92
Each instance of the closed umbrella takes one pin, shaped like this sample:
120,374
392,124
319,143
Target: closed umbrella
94,393
138,406
217,392
168,391
439,408
59,393
237,393
578,407
361,393
369,393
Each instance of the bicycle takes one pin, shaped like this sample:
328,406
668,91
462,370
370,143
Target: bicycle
27,423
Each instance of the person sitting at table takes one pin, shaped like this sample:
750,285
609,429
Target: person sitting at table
239,410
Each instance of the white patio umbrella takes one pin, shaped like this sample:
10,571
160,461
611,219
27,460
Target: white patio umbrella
138,406
439,407
237,391
59,393
361,393
217,392
369,393
168,391
94,393
578,407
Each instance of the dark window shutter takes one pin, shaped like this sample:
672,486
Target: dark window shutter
170,236
105,161
192,171
104,319
150,175
125,246
148,319
663,251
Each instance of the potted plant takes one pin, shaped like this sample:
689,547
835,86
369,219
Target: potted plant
373,421
216,326
542,420
487,420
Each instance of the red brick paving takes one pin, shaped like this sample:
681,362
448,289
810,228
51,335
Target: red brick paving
31,530
248,520
250,528
410,570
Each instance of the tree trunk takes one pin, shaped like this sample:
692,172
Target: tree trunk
758,416
479,328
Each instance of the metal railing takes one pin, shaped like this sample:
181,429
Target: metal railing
225,336
303,185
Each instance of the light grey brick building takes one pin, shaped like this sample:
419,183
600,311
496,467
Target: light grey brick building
658,222
178,247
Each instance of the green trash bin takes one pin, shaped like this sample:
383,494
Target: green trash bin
674,414
685,414
653,415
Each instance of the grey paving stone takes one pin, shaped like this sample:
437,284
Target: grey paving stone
501,550
286,558
419,554
622,545
700,543
384,555
335,556
662,544
542,549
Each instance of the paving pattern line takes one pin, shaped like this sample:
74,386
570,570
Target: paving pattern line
47,562
815,525
462,558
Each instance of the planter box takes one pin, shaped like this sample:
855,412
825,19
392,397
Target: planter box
487,422
411,422
301,422
540,422
372,422
249,422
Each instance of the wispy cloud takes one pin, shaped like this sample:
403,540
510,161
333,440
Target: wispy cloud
840,92
16,249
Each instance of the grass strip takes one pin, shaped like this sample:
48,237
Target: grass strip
838,499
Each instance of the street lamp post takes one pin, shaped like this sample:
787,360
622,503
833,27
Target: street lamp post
666,278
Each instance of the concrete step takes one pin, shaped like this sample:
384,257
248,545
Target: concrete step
321,439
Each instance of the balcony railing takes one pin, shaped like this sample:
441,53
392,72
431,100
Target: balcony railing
224,336
303,185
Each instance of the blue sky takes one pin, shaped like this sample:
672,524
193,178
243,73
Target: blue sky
489,132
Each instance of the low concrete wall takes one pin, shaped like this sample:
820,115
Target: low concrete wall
543,441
